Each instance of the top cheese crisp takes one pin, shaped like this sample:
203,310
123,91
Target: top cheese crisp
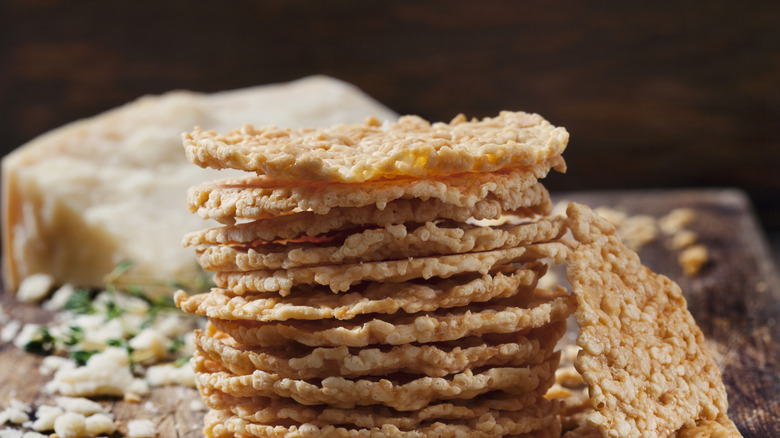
411,147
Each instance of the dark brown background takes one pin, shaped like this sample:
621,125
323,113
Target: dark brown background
655,94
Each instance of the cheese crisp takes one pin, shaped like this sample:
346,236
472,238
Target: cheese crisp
266,410
343,276
401,328
643,357
316,303
373,151
371,245
533,201
261,197
398,394
221,424
435,360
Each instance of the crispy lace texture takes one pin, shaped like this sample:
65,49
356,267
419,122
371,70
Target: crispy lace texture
340,392
371,151
340,277
435,360
221,424
258,197
388,243
643,357
317,303
723,427
535,201
266,410
401,328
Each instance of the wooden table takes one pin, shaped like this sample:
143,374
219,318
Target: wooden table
735,300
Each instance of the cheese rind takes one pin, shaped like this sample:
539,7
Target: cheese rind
86,196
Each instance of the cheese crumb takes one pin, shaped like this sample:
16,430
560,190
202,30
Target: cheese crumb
160,375
59,298
151,408
138,387
141,429
682,239
17,413
106,373
26,335
693,258
613,216
100,424
70,425
171,326
10,330
132,397
149,346
34,288
676,220
47,415
637,231
80,405
51,364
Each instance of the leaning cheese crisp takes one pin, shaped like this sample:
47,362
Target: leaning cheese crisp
643,356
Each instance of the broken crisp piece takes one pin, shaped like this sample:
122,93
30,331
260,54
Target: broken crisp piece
693,258
643,357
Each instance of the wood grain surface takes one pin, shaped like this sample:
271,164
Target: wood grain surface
735,299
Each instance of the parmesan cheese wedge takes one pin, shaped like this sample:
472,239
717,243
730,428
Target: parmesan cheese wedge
86,196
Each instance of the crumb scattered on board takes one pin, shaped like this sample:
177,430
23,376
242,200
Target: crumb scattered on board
638,230
115,343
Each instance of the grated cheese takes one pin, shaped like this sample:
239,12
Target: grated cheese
141,429
105,373
46,417
70,425
34,288
100,424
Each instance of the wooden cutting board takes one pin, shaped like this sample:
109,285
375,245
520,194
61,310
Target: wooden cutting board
735,300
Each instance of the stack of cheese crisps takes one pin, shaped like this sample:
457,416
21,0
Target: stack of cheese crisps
380,279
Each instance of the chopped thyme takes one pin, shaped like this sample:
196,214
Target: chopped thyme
80,302
183,360
176,345
177,285
42,342
118,343
113,311
120,269
82,356
203,282
74,336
